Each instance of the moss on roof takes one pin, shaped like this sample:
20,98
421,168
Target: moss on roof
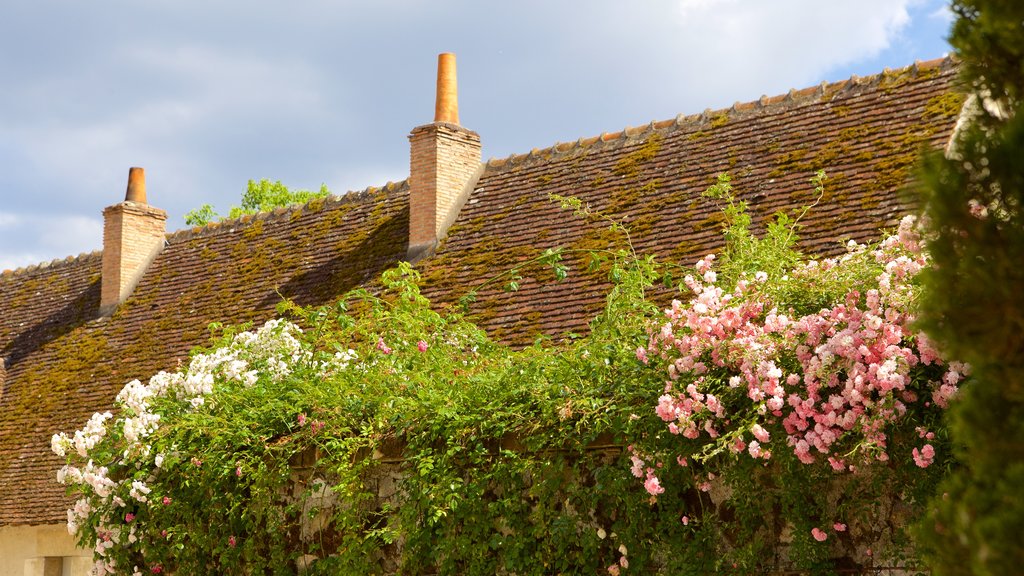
867,133
68,363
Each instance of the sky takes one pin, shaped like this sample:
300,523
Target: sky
208,94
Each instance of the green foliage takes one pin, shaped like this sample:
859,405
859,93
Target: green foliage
258,197
201,216
987,36
974,304
402,439
774,253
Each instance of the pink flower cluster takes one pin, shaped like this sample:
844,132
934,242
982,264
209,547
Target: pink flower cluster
925,456
835,377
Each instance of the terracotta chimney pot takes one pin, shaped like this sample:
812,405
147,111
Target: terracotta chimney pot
446,105
136,185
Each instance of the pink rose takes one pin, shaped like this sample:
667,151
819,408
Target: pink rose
653,485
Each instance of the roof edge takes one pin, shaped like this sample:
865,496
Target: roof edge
55,263
284,212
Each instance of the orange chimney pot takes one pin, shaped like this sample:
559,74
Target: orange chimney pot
446,105
136,186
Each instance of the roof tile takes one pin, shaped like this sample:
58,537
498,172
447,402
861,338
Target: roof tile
866,133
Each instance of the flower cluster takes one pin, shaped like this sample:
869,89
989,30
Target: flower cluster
111,450
754,373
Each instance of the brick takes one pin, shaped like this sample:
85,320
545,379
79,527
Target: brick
444,158
133,234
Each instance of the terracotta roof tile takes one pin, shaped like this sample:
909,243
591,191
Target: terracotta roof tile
865,132
63,363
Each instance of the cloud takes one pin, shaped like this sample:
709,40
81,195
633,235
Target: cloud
725,44
943,13
27,239
206,96
216,79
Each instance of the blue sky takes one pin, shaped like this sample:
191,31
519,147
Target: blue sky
208,94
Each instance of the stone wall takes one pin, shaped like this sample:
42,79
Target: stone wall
41,551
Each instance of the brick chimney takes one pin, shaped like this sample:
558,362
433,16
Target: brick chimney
444,166
133,234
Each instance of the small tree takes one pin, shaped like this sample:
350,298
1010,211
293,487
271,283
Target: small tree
259,197
974,307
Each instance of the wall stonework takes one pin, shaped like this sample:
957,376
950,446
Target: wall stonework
133,234
46,550
444,166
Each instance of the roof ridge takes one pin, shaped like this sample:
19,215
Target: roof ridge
227,223
56,262
791,98
283,212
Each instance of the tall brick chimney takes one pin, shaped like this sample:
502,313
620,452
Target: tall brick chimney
133,234
444,166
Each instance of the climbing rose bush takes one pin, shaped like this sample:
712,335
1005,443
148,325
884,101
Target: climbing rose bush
821,363
117,497
782,413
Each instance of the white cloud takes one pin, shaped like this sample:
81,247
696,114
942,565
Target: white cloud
724,44
697,8
356,180
21,260
216,80
69,235
24,238
208,87
943,13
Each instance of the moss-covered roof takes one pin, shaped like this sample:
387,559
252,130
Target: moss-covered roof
866,133
63,362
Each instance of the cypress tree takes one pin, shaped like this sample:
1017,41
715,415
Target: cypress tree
973,302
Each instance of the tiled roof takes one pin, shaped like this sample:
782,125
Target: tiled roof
865,133
63,363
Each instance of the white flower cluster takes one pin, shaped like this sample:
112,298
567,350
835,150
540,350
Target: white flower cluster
138,422
84,439
340,361
139,491
96,477
78,513
270,352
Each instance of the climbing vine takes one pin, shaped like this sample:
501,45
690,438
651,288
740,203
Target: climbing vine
780,413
